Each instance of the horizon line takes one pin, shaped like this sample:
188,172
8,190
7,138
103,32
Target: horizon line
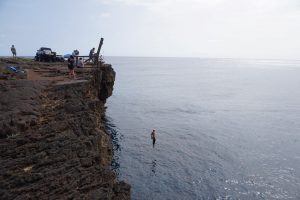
186,57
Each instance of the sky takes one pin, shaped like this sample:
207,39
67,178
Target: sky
260,29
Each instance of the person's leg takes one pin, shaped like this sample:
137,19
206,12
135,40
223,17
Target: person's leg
70,73
74,75
153,142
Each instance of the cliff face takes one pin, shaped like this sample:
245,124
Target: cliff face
53,144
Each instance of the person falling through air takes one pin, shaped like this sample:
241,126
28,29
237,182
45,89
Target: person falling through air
153,137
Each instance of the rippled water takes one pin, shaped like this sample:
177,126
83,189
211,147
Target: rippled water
226,129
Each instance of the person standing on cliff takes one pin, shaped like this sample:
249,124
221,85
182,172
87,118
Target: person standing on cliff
153,137
91,55
71,67
13,51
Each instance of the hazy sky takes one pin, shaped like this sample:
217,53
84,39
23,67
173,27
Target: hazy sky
188,28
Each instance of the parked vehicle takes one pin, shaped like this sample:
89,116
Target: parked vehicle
45,54
60,58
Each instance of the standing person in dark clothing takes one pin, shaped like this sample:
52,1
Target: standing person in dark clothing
153,137
91,56
13,51
71,67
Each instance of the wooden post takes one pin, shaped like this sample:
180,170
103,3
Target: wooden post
98,51
97,71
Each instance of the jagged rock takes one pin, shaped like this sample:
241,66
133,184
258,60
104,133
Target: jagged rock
86,162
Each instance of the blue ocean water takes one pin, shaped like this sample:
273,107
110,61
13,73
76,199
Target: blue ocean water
226,128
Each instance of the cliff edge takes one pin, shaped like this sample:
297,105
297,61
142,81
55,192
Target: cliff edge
53,143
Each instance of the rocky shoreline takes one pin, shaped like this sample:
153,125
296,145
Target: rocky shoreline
53,143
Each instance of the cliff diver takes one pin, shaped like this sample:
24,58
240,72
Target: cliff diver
153,137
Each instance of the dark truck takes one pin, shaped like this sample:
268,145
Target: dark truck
45,54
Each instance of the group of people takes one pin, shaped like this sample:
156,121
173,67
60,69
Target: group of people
75,61
78,60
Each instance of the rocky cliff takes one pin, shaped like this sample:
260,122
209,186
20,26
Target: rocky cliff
53,144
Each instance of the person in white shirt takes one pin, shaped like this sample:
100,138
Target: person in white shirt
80,63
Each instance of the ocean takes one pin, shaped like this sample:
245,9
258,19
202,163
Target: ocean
225,128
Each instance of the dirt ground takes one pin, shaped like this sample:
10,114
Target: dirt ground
57,71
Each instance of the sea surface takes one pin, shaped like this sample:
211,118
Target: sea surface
226,128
